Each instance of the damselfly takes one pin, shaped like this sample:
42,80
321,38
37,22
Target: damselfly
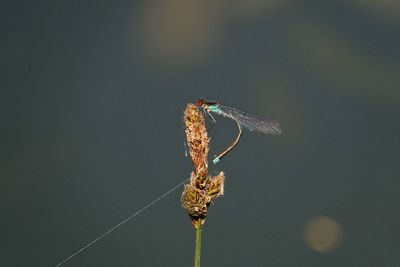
248,121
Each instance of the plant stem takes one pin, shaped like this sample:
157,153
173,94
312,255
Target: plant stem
198,248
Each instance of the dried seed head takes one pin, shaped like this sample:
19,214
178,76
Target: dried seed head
197,139
202,189
195,201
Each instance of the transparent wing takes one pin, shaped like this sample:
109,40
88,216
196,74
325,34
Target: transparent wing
250,121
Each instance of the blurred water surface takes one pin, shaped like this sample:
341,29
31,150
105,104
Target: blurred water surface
92,95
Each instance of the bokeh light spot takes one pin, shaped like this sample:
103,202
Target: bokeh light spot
323,234
179,33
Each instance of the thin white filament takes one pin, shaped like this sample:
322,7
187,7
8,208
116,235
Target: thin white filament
121,223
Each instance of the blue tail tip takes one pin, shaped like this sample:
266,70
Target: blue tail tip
216,160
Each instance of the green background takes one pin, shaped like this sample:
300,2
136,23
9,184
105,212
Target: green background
91,102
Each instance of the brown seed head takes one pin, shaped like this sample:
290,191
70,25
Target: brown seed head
197,139
203,188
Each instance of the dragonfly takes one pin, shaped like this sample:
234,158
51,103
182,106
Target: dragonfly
242,119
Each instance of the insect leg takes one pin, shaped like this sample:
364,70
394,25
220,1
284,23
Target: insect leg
213,121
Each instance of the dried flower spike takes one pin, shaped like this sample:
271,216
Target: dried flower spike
203,188
197,139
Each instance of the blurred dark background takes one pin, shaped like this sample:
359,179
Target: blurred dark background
92,95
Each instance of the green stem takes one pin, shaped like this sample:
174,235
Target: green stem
198,248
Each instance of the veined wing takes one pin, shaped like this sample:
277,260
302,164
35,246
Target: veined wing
250,121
